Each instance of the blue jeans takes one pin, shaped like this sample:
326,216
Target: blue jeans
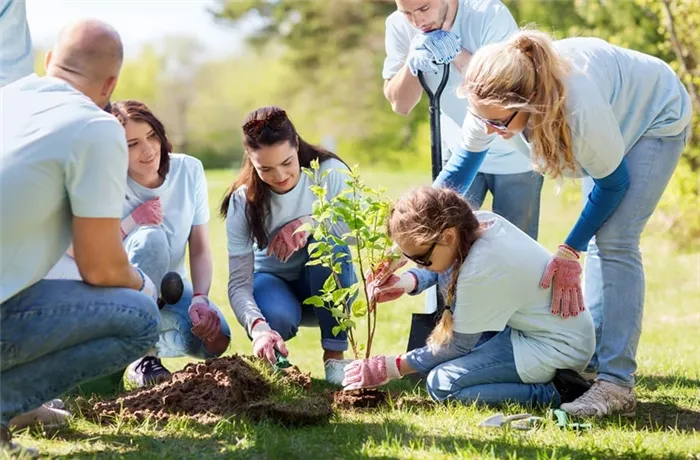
149,250
280,301
57,334
613,274
486,374
516,197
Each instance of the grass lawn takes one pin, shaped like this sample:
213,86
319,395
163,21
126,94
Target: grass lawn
666,425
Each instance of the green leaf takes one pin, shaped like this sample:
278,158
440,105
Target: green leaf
359,308
336,330
339,295
338,268
337,313
311,263
329,285
316,301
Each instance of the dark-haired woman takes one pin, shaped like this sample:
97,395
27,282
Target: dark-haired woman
166,209
266,204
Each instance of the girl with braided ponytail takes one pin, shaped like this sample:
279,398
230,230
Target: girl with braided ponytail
493,266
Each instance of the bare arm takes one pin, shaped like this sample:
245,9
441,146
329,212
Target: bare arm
201,266
100,255
403,91
240,290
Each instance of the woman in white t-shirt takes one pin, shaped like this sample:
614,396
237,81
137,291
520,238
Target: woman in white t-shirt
166,210
533,358
266,204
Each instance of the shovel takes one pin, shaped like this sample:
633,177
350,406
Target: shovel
422,324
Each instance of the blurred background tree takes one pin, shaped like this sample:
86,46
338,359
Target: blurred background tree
321,60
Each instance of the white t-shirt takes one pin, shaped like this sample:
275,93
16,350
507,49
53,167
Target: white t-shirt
296,203
60,156
478,23
16,56
184,199
499,286
614,97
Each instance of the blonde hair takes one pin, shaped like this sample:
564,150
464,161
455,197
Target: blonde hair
421,216
525,73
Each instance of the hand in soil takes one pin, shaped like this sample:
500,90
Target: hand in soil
265,341
205,322
370,373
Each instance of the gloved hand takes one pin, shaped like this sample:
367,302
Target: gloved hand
147,213
421,60
392,288
148,287
393,260
265,340
444,45
205,321
287,240
563,273
370,373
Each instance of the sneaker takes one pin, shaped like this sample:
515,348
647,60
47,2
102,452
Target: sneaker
335,370
604,398
146,371
570,385
48,417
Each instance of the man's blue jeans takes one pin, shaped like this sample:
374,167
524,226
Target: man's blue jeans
57,334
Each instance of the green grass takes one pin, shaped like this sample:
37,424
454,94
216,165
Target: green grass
666,425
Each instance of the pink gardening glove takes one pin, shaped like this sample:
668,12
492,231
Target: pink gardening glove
390,264
370,373
563,273
148,213
205,321
287,242
391,289
265,340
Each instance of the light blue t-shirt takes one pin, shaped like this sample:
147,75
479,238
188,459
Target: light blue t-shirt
499,286
185,202
614,97
284,208
16,56
478,23
60,156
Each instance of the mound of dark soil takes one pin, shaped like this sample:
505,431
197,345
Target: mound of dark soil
359,399
216,388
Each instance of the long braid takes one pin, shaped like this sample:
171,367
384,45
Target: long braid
442,333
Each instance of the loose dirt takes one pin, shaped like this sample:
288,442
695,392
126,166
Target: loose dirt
214,389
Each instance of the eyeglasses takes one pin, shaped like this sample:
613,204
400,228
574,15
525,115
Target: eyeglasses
498,124
274,121
423,260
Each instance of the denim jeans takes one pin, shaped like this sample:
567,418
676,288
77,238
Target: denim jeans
57,334
281,301
148,249
516,197
486,374
613,274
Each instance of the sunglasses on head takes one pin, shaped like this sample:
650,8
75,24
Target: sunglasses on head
274,121
501,125
424,259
